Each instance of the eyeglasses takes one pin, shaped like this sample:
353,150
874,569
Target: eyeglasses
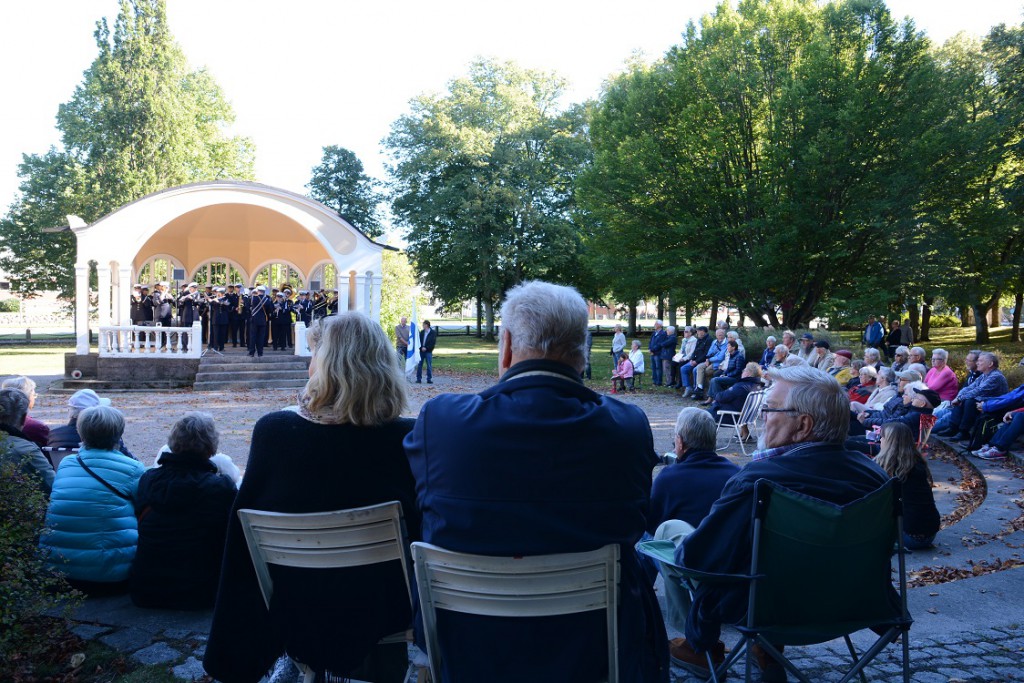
765,410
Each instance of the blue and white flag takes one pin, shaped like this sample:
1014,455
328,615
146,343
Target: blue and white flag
412,350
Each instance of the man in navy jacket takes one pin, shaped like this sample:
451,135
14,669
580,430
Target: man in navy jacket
539,464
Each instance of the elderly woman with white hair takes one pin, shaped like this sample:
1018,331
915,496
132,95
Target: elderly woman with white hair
91,528
35,431
941,377
339,448
184,507
15,447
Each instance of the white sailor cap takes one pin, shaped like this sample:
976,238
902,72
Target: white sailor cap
164,284
280,294
261,288
136,286
193,284
304,291
219,289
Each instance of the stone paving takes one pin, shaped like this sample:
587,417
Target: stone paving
967,630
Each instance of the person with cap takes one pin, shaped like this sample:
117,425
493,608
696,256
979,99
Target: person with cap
67,436
219,316
893,407
806,352
146,307
162,311
15,447
234,294
919,400
823,357
135,305
303,308
188,308
243,315
840,367
292,317
281,321
260,311
332,303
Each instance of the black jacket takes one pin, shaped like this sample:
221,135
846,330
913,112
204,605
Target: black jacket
428,338
184,506
700,351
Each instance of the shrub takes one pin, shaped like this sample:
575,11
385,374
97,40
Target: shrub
9,306
944,320
27,586
753,339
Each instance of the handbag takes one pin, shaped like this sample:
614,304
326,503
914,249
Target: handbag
678,358
139,514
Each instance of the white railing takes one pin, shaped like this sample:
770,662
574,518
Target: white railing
138,341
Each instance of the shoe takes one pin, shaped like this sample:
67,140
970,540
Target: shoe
683,654
707,402
771,670
961,437
745,432
992,453
613,392
430,381
686,392
697,395
419,381
981,451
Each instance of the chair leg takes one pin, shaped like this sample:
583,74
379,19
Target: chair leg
906,654
853,655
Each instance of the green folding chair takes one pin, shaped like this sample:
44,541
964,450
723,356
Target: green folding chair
818,571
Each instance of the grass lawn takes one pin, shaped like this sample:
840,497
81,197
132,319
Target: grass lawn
33,360
466,355
962,339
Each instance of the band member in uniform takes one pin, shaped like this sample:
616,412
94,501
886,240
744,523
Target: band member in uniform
304,308
319,305
288,337
233,316
219,305
146,307
188,308
136,304
281,320
243,315
205,312
260,310
332,303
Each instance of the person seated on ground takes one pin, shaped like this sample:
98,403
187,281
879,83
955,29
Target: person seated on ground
636,357
729,370
919,399
91,528
703,373
893,408
960,421
1000,443
734,397
687,347
688,369
900,457
863,390
566,470
880,394
901,359
67,436
35,431
801,447
892,340
339,448
917,354
855,365
622,378
15,448
941,377
183,509
840,368
823,357
873,358
768,356
807,351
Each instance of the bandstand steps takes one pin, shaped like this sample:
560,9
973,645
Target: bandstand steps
235,370
251,384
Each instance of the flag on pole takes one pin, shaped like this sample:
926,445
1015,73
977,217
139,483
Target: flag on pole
412,350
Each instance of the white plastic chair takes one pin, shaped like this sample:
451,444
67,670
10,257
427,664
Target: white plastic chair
324,540
55,454
539,585
745,417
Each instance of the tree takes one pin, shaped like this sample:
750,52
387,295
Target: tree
340,183
398,286
482,177
139,122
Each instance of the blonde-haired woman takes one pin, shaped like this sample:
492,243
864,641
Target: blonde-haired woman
340,447
899,456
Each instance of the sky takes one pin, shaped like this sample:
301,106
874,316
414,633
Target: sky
304,74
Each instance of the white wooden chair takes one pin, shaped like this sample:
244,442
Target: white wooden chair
745,417
539,585
323,540
55,454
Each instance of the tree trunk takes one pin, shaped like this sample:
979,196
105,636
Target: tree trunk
1018,301
714,315
671,303
965,315
773,319
739,323
632,320
980,323
926,319
688,312
914,314
489,311
479,318
661,307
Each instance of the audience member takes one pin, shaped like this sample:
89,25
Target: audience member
623,375
892,340
906,333
807,351
806,418
15,447
704,371
34,430
840,367
823,357
874,333
700,354
619,344
768,357
863,390
901,358
687,346
728,372
348,422
654,347
91,529
872,358
941,377
789,341
916,355
636,357
964,407
665,354
785,358
567,470
734,397
183,508
1001,442
899,456
68,436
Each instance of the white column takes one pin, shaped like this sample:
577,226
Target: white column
375,289
351,303
362,301
124,295
82,309
103,291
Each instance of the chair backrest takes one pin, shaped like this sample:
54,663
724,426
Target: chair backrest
540,585
751,408
321,540
925,431
825,567
55,454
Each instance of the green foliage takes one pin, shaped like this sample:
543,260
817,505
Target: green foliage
27,586
140,121
944,320
754,343
482,178
9,305
397,289
340,183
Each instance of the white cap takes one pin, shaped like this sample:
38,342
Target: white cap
87,398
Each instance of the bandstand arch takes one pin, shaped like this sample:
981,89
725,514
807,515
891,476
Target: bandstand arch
244,224
243,276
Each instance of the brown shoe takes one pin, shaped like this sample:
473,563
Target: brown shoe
683,654
771,670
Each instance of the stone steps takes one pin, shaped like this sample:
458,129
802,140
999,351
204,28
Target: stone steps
222,385
239,371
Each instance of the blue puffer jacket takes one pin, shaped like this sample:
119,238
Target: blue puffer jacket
91,532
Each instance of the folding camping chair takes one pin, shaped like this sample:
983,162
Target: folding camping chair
745,417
